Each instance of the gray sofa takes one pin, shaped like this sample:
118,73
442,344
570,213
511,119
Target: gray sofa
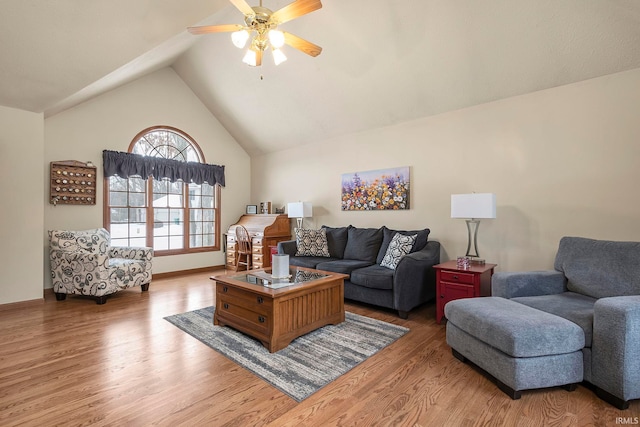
359,253
595,284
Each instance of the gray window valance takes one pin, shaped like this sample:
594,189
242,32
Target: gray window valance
127,164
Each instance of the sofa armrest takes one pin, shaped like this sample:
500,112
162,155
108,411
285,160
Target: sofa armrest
77,272
130,252
414,280
288,247
615,365
528,283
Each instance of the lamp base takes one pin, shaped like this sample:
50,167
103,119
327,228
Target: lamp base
476,261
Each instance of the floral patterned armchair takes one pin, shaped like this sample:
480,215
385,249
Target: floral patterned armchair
84,263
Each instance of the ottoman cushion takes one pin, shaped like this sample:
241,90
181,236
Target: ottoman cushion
515,329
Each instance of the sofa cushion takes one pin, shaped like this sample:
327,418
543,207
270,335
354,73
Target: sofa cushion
337,240
421,240
599,268
311,242
374,276
400,246
308,261
513,328
575,307
363,244
344,266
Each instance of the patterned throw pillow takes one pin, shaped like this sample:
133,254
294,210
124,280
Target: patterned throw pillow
311,242
400,246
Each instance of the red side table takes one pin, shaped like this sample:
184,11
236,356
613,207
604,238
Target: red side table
453,283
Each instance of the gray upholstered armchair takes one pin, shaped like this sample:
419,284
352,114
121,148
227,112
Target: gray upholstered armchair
84,263
596,285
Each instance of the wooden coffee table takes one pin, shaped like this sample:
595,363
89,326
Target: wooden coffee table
278,311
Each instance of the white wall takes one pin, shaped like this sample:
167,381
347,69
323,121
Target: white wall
112,120
562,161
21,201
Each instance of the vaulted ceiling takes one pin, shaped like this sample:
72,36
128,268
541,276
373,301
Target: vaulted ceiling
383,62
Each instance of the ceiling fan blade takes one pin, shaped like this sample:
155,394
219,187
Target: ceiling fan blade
215,29
294,10
243,6
302,44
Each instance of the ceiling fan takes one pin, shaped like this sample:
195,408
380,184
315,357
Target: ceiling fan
262,23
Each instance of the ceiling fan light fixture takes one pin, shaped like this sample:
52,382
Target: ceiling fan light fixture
260,30
250,58
278,56
239,38
276,38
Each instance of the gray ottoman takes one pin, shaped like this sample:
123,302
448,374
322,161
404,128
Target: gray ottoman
520,347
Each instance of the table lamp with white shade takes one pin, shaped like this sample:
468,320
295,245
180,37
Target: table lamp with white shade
299,211
473,207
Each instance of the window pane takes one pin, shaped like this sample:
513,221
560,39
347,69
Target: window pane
176,242
195,228
118,199
137,230
137,199
160,243
117,184
160,228
138,215
161,186
160,200
195,241
138,242
176,187
119,242
207,202
194,201
119,215
208,214
175,201
137,184
207,227
207,190
118,232
208,240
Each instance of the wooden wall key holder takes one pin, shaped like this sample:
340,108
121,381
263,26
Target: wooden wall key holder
72,183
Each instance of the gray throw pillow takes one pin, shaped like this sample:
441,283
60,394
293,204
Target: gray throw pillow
311,242
337,240
399,246
363,244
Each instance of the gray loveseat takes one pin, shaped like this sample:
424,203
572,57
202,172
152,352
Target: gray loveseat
359,253
595,284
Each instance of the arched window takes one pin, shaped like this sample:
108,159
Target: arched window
172,217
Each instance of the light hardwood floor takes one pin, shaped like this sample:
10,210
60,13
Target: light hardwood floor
74,362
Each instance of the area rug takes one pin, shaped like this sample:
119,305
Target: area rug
309,363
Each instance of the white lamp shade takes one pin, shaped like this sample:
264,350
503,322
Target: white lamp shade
276,38
475,205
239,38
250,58
278,56
299,210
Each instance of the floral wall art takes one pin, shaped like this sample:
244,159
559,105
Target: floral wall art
382,189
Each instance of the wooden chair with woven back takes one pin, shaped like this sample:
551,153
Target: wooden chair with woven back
244,247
